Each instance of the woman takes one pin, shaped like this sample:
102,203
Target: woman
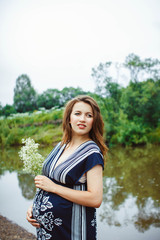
71,186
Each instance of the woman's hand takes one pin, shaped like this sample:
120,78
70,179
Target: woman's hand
44,183
30,218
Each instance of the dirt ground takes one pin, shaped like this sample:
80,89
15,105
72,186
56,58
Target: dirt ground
11,231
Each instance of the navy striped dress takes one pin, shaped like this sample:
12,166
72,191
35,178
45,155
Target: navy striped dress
58,217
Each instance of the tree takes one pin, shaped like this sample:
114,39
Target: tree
106,86
8,109
24,94
102,78
56,98
142,103
110,92
1,109
49,98
69,92
142,69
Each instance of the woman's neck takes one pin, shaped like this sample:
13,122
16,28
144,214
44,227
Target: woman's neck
78,140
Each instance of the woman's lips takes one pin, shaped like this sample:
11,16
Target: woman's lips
81,126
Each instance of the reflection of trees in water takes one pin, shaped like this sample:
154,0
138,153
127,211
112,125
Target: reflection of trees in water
144,220
26,183
131,188
109,207
148,214
9,160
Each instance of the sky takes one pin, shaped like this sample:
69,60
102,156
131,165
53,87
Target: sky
58,42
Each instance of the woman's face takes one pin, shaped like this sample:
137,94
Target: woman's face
81,119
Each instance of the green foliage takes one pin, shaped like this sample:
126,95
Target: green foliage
7,110
148,68
131,115
24,94
154,136
143,101
1,109
13,137
49,98
45,128
49,135
129,132
68,93
55,98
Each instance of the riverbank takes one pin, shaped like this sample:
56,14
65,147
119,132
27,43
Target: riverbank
44,128
12,231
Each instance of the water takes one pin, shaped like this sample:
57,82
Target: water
131,201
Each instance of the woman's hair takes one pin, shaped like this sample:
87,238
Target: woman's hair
96,133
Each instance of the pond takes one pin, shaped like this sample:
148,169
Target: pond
131,201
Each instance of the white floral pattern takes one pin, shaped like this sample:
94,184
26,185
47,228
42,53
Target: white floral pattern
42,234
47,220
58,221
41,203
94,222
46,204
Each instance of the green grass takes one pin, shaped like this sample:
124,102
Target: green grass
43,128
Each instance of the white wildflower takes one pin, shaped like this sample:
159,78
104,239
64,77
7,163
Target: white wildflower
32,160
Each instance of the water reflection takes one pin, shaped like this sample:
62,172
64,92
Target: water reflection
131,185
9,160
27,186
131,188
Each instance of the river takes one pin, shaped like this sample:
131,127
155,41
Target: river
131,199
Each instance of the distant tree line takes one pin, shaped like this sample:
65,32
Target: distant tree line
26,99
131,114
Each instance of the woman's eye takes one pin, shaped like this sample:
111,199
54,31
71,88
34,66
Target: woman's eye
89,115
77,113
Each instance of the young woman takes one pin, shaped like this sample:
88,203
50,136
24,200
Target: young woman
71,186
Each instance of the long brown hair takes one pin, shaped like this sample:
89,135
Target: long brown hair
96,133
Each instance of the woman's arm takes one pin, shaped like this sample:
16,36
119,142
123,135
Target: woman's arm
90,198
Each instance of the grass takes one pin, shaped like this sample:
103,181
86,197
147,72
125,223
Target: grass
44,127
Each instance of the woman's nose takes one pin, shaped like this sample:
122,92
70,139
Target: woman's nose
82,117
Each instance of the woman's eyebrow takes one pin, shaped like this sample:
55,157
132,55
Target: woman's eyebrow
81,111
89,112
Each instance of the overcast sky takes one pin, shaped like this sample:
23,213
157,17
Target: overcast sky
57,42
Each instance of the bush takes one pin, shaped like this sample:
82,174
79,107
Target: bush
129,132
39,126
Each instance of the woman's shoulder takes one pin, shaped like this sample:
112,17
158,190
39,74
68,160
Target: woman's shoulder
90,147
93,155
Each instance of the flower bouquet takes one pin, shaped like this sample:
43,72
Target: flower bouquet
32,160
